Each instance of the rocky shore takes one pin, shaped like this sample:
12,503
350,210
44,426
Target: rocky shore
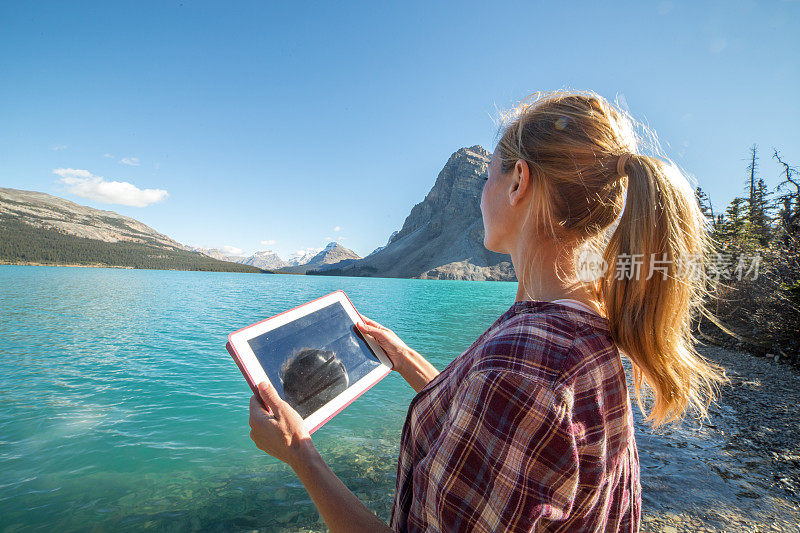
748,456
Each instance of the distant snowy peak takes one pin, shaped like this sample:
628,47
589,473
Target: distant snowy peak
264,259
217,254
331,254
303,258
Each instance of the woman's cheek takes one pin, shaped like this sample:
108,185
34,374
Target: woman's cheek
487,226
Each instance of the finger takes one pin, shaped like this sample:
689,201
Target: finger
256,406
271,397
372,330
372,323
257,412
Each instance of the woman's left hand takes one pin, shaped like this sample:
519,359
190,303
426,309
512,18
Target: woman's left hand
281,433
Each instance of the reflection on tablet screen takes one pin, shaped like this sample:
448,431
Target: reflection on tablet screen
315,358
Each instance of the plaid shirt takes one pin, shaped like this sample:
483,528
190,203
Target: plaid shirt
530,429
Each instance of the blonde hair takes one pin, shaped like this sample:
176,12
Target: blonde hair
572,143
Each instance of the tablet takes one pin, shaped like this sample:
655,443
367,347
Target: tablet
313,355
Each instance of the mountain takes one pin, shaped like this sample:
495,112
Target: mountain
442,237
333,254
39,228
303,259
218,254
265,260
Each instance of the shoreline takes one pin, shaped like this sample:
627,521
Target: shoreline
755,421
74,265
100,265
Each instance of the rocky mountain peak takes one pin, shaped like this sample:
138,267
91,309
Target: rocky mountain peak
264,259
455,195
333,253
442,237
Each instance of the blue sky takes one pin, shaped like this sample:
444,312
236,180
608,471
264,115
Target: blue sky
282,126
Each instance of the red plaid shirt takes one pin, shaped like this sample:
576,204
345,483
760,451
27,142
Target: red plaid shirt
530,429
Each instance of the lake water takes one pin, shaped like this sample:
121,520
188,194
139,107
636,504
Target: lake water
120,408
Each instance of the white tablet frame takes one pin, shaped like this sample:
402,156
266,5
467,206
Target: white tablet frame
240,350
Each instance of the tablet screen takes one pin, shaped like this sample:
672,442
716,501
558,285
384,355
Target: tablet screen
315,358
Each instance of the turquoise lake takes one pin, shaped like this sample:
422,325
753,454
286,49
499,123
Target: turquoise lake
120,409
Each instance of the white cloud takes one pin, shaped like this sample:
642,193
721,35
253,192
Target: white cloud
269,242
337,228
58,147
108,156
66,173
130,161
86,185
232,250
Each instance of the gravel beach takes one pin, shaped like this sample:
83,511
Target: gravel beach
753,448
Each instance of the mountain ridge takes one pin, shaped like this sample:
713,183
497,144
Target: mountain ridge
38,228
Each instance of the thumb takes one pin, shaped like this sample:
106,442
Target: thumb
270,396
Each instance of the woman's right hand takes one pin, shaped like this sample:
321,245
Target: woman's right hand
397,351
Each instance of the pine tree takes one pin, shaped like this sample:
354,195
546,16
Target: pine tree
705,206
756,215
751,169
734,224
760,221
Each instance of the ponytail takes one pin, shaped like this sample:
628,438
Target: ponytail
581,152
655,284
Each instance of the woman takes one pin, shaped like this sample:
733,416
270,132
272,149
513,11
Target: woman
531,427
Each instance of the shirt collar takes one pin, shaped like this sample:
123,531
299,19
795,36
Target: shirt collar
537,306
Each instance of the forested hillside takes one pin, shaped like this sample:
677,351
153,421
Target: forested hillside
757,262
39,228
21,242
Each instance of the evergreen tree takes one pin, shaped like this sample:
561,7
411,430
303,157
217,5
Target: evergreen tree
705,206
734,224
756,214
751,170
760,221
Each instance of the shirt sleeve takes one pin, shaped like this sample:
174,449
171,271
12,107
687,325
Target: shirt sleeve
506,459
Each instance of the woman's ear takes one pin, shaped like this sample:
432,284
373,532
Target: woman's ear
520,182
